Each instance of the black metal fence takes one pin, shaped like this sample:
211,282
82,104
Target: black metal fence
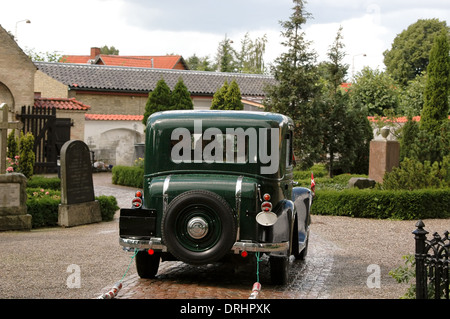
432,264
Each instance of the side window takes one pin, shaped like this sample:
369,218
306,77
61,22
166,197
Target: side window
289,150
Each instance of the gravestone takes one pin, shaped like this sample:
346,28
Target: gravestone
13,202
78,205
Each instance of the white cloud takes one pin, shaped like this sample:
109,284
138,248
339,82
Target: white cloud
150,27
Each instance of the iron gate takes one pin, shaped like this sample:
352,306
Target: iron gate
49,132
432,264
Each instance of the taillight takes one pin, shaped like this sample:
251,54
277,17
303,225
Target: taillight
266,217
266,206
137,200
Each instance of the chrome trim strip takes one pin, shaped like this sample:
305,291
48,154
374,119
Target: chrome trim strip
238,194
152,243
165,194
155,243
261,247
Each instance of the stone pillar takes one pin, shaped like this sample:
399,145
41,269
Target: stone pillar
13,202
384,155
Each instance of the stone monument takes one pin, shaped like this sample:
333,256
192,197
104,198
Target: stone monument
78,205
13,202
13,192
384,156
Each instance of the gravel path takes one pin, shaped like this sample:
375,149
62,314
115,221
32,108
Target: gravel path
40,263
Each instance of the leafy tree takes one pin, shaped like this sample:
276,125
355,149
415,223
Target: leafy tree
109,50
44,56
375,91
435,109
251,56
411,97
296,92
181,98
158,100
232,98
218,101
409,54
199,63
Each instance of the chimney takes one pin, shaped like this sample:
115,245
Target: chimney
94,52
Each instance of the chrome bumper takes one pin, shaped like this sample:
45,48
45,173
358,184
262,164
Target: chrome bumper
155,243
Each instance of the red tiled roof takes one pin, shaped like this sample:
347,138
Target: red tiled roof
113,117
156,62
61,104
401,119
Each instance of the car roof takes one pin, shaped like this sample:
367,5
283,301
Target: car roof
220,118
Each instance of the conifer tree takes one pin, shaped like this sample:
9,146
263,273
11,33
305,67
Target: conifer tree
435,108
296,91
181,98
158,100
232,99
218,101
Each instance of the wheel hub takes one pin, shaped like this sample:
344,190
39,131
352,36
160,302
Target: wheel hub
197,228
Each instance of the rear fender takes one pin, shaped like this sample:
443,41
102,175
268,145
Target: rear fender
281,231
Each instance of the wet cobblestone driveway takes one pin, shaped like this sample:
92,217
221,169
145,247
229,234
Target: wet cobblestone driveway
234,280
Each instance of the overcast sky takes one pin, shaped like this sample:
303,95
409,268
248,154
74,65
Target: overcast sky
155,27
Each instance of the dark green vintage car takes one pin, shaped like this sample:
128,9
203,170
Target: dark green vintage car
217,183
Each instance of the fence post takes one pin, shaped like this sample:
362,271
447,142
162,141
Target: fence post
421,274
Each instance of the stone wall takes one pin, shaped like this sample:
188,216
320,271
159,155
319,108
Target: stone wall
16,74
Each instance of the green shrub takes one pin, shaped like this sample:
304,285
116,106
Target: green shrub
42,205
108,207
413,174
26,154
128,176
44,182
383,204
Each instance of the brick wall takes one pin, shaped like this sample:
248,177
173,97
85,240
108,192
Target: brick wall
112,103
16,73
49,87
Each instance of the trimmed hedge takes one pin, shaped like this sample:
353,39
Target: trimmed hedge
384,204
128,176
42,205
44,182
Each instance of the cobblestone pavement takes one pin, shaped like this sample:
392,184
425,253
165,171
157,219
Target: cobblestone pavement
234,280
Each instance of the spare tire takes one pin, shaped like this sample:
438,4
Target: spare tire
198,227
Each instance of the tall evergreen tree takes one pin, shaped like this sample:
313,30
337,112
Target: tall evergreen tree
226,56
181,98
232,98
296,90
218,101
435,108
158,100
346,131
